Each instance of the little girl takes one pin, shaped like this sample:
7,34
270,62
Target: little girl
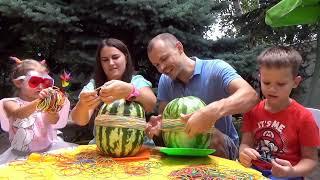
31,129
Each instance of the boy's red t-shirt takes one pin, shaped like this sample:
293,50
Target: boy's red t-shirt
282,134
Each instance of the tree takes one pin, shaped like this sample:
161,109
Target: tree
32,29
65,33
251,26
237,7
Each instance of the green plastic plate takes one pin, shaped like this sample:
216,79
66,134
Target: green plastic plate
186,151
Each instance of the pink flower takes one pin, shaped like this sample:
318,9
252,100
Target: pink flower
65,78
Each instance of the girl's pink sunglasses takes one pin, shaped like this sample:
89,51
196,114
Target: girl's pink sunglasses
34,79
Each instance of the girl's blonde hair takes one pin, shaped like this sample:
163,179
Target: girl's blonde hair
23,66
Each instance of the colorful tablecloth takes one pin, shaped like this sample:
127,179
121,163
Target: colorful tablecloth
85,162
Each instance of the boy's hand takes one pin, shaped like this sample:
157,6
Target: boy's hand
281,168
247,155
90,100
153,127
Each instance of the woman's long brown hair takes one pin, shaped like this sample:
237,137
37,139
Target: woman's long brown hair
100,77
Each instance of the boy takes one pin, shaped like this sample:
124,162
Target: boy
280,136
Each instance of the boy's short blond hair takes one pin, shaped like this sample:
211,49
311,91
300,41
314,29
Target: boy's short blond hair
279,57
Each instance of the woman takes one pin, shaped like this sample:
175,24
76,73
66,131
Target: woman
113,80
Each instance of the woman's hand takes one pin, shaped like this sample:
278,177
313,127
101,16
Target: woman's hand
83,110
89,100
115,89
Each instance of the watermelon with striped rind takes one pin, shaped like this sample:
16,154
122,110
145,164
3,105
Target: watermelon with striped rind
119,141
177,138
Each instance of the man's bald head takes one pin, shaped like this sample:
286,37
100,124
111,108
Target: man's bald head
167,38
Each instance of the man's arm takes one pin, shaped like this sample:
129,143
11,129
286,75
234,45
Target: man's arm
243,97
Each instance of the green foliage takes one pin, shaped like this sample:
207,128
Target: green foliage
251,26
244,62
66,33
34,29
249,5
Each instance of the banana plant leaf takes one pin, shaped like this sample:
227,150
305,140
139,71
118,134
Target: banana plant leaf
293,12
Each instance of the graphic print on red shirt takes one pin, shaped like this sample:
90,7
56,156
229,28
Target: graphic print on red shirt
268,143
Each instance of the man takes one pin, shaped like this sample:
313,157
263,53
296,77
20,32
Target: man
213,81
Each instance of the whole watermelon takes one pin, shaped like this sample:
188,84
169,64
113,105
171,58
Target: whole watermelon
118,141
178,138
